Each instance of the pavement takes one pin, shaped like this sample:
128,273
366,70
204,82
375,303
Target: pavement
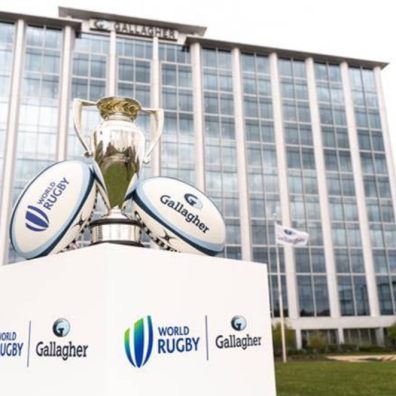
363,358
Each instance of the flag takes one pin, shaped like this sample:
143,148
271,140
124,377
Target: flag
290,236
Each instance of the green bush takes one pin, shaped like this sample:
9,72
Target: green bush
348,348
290,336
391,334
318,342
372,349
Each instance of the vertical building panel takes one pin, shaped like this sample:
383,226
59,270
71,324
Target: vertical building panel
377,187
221,175
7,39
303,188
241,156
177,142
356,138
38,108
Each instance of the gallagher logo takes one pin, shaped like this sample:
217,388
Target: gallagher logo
242,341
138,342
238,323
193,201
61,327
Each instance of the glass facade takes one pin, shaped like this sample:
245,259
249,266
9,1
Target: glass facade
7,31
379,203
220,145
134,58
177,142
39,104
89,79
138,62
262,167
303,189
347,241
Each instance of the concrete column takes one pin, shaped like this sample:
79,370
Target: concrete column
386,134
360,196
298,339
241,156
155,103
64,102
340,332
380,336
323,194
112,76
291,280
198,116
11,139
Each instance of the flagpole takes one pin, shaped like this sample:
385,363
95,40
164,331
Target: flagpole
280,297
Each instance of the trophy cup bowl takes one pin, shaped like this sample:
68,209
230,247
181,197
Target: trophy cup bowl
118,151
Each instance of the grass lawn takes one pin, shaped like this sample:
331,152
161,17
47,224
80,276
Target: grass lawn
322,378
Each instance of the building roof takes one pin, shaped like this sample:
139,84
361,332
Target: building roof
39,20
73,17
84,14
285,52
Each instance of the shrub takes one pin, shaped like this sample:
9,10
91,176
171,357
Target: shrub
391,334
290,336
318,342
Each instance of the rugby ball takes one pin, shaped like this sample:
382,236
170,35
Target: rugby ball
178,217
53,209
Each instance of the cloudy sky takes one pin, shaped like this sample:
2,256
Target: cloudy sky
362,29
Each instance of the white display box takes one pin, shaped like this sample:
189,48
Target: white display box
205,327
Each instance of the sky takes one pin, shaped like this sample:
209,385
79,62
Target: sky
363,29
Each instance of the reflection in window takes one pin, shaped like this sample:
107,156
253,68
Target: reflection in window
351,281
379,203
89,76
38,112
220,146
6,55
177,142
303,188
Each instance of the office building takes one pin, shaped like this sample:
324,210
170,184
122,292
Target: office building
259,129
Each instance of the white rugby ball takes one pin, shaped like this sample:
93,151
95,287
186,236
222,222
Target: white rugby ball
178,217
53,209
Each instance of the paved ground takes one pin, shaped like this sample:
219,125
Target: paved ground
363,358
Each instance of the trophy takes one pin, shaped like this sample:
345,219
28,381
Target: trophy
118,150
56,206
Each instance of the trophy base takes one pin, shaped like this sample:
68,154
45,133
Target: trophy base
116,228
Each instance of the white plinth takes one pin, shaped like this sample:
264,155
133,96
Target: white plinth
102,291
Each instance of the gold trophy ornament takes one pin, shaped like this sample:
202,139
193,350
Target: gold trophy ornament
118,150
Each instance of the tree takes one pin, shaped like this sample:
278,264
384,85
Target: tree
290,336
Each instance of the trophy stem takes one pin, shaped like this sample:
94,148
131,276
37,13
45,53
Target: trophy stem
117,228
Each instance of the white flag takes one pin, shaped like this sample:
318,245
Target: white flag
290,236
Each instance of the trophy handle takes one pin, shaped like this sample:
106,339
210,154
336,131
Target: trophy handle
78,105
159,125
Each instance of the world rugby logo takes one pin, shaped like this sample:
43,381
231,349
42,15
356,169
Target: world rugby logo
36,219
138,342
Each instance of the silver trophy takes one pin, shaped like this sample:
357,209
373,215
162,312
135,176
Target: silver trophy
118,148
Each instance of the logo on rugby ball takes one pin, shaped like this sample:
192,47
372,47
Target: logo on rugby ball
178,217
36,219
193,201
